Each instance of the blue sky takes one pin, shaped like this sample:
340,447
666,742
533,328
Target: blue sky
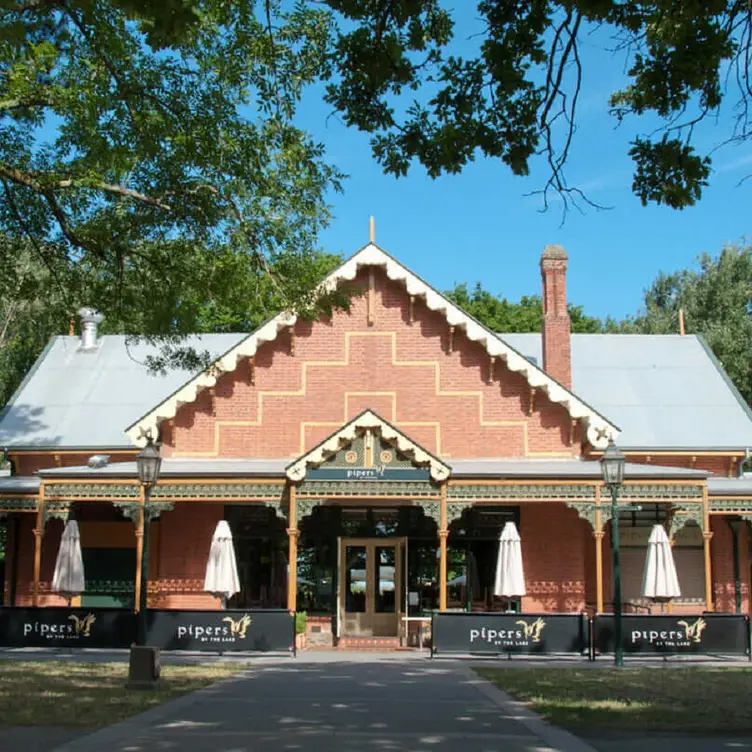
480,226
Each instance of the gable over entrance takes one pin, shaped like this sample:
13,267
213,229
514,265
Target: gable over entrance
368,448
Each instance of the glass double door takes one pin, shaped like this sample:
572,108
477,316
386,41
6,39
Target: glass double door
370,586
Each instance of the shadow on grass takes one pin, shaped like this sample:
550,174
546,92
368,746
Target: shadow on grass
675,700
90,695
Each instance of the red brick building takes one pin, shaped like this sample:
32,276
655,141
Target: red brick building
367,462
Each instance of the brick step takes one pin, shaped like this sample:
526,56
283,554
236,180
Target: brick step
369,643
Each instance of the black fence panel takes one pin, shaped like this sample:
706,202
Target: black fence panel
267,630
55,627
674,634
492,633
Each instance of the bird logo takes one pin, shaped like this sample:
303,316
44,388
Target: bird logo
694,631
533,629
83,625
239,626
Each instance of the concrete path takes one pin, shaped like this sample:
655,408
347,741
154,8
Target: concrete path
354,703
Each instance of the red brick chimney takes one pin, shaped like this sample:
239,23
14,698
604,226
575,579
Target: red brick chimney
557,348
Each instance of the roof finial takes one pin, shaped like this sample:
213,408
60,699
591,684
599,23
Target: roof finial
371,230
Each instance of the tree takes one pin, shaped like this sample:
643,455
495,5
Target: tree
717,303
403,78
501,315
34,307
149,158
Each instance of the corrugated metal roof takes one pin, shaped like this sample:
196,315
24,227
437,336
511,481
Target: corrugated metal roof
19,484
87,399
590,469
664,391
172,468
718,486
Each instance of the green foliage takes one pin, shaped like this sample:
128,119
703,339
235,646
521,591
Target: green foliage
301,622
501,315
151,165
401,77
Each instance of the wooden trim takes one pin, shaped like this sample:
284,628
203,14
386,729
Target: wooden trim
669,453
292,542
38,536
139,552
599,534
707,535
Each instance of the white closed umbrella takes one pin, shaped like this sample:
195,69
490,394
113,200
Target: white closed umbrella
510,577
659,579
222,568
69,565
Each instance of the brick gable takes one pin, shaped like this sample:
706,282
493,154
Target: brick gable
387,354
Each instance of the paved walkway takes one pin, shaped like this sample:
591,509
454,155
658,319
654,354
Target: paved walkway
355,703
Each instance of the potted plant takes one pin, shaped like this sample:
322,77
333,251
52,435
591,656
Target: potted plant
301,626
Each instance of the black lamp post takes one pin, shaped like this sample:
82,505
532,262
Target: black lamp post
612,468
148,463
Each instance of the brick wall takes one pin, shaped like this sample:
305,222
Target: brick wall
722,565
553,554
339,367
556,339
184,541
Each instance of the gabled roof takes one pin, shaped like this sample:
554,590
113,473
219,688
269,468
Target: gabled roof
368,419
597,426
84,399
666,391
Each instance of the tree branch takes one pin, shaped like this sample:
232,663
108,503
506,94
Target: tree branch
30,181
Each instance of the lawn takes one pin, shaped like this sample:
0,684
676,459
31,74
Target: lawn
662,699
90,695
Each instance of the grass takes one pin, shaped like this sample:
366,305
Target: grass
90,695
671,700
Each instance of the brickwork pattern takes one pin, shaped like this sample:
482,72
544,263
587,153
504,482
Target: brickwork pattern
404,371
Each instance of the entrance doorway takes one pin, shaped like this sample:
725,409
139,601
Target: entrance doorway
371,581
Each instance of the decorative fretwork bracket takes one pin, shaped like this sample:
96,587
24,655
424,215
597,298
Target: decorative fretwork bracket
305,507
432,509
455,510
55,510
585,509
131,510
682,514
280,507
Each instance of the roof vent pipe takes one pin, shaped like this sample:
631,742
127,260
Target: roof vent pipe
90,319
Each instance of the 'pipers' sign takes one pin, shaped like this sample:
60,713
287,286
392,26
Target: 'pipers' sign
220,631
508,633
66,627
706,633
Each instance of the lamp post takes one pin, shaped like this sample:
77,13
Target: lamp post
148,463
612,468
